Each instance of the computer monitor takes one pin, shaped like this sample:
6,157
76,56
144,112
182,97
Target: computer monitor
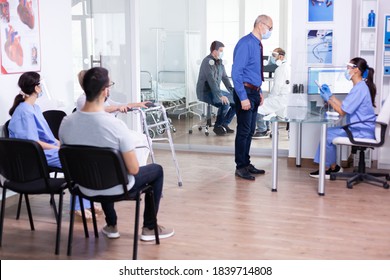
332,76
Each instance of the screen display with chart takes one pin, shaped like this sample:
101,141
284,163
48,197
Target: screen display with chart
332,76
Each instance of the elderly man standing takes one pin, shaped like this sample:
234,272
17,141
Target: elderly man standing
247,75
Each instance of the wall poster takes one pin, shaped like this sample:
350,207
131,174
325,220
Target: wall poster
19,36
320,46
321,10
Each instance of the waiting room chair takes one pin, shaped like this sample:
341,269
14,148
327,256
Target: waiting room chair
5,129
98,169
361,144
24,169
54,119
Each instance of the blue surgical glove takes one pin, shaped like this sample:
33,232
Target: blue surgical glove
325,92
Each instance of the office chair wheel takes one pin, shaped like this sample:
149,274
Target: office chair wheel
332,177
160,130
200,128
206,133
190,131
386,186
349,185
173,129
387,177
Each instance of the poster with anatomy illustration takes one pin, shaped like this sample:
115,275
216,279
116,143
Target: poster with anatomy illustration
20,36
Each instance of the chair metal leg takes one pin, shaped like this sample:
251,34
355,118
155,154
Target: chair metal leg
59,220
53,204
83,217
95,229
29,212
2,214
136,225
71,224
156,233
19,206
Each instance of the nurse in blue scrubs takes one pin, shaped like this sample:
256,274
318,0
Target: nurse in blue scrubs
28,122
358,106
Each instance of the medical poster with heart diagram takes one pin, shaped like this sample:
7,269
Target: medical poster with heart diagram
20,36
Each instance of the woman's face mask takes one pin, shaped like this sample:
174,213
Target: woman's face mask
348,75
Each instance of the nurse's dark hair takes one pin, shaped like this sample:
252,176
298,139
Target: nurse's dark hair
362,65
95,80
27,83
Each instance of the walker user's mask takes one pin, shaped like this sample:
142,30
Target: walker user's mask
220,55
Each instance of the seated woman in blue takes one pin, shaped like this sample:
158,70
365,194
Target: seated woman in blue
28,122
357,106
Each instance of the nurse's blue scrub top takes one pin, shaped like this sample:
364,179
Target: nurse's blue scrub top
358,106
28,122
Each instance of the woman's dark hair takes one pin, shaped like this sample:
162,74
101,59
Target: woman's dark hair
362,65
95,80
27,83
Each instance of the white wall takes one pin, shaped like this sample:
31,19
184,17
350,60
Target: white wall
341,54
56,62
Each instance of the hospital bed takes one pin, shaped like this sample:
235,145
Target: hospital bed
171,89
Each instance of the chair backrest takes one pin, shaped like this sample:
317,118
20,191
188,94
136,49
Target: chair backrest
94,168
5,129
54,119
22,160
383,120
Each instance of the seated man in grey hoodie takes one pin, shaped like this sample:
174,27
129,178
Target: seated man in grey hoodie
211,73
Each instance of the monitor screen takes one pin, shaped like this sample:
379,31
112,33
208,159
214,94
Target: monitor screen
332,76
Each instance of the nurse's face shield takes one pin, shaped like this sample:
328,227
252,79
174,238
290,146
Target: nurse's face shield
351,65
275,54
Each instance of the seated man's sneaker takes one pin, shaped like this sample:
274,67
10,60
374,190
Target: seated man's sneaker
219,130
253,170
316,174
244,174
148,234
261,135
111,232
228,129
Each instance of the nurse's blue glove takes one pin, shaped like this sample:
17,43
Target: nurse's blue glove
325,92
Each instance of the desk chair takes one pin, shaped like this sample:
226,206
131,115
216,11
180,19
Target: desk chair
205,126
361,144
98,169
24,167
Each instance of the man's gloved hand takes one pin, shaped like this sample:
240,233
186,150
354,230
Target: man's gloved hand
325,92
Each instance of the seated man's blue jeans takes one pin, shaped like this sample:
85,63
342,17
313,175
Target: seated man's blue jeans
151,174
262,125
225,112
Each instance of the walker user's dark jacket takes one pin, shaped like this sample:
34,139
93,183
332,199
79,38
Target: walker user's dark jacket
211,73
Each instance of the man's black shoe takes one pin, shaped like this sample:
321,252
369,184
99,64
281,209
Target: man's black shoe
219,130
254,170
228,129
244,174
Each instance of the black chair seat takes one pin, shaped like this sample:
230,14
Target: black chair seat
56,186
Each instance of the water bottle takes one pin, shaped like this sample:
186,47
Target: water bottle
301,89
371,19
